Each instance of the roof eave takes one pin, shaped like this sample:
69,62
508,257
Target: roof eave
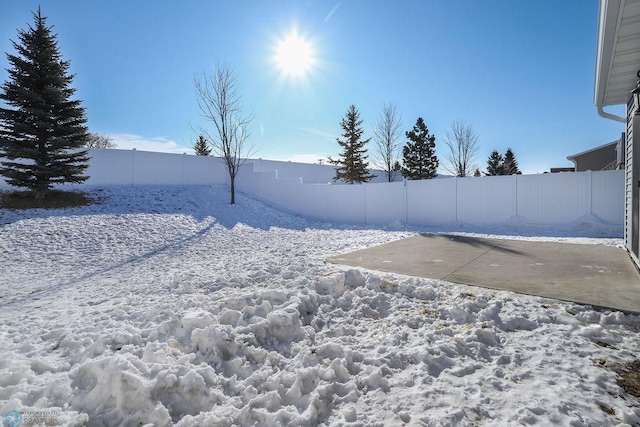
609,18
608,144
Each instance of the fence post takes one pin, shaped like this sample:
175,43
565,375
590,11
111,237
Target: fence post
515,194
406,202
364,201
184,169
133,166
456,199
330,205
589,198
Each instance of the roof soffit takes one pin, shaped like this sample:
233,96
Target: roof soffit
618,54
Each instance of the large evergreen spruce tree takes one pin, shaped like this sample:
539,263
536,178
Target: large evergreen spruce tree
419,157
43,130
510,163
495,164
352,164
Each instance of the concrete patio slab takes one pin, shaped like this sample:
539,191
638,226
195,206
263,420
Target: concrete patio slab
602,276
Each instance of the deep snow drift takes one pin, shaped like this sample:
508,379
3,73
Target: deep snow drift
169,306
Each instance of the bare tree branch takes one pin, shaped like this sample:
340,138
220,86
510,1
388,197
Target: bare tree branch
219,101
97,140
463,145
385,140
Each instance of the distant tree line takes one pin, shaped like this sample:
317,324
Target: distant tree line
498,164
418,160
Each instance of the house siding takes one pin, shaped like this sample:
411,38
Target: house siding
595,160
631,189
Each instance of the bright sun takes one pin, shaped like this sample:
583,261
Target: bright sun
294,55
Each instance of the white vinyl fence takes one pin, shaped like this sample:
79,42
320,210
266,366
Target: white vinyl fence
133,167
541,199
305,189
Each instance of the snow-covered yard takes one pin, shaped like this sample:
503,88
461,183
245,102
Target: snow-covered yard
168,306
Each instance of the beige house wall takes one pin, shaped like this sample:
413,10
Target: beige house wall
595,160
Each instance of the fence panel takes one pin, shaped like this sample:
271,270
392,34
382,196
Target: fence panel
265,185
431,201
205,170
153,168
287,194
607,200
315,201
245,177
385,203
110,167
311,173
553,198
134,167
347,203
486,200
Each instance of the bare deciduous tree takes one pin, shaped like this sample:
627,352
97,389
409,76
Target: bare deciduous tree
463,145
219,101
97,140
385,139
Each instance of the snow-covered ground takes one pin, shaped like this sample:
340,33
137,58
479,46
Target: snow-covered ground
165,306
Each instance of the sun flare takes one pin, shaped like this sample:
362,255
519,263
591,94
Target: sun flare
294,55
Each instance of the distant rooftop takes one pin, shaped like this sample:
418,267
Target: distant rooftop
611,144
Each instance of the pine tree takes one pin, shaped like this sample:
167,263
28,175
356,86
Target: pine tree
397,167
201,147
510,163
495,164
42,135
352,164
419,158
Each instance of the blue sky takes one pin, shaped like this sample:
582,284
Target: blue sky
520,72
